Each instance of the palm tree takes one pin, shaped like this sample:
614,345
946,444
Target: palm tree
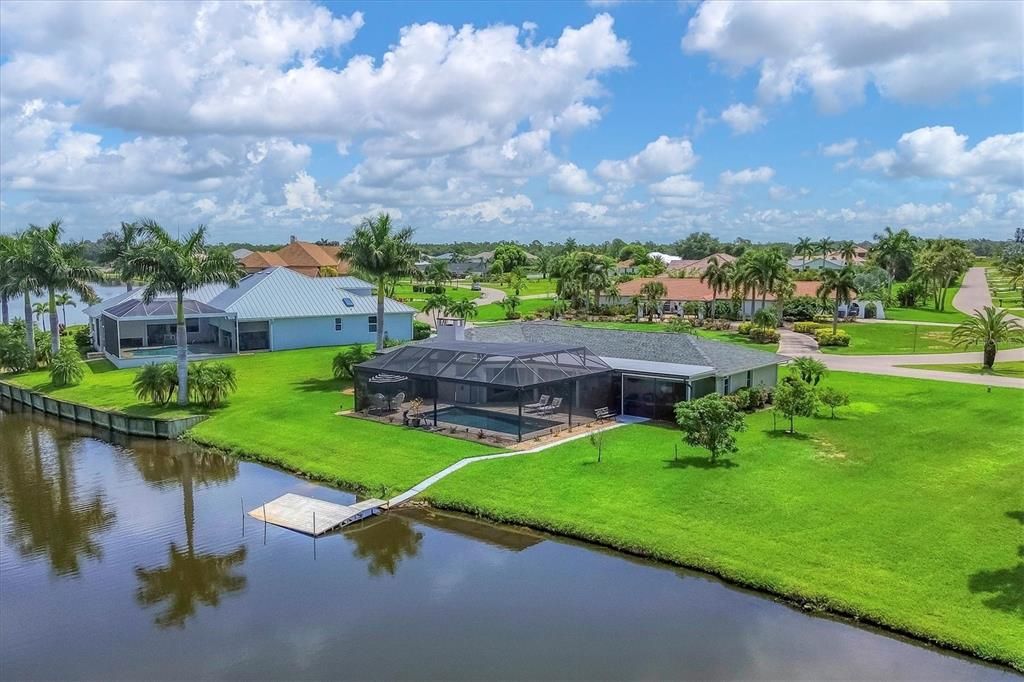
510,304
804,248
59,267
119,247
783,289
40,310
894,251
768,266
744,279
436,303
8,281
717,277
839,284
824,246
19,270
464,308
988,327
1014,272
848,250
652,293
437,273
383,253
180,265
64,299
594,273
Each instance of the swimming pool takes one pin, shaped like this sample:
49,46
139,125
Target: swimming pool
161,352
492,421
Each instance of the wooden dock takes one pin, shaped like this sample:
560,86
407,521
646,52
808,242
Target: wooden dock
312,516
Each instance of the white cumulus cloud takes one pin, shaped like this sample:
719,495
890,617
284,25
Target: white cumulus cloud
744,118
664,156
747,176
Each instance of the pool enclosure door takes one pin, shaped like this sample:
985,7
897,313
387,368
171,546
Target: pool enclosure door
651,397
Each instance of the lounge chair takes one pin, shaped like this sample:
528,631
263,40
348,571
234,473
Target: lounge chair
603,413
378,403
539,404
396,402
548,409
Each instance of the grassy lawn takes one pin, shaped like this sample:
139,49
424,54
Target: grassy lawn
926,312
906,510
284,413
405,294
897,339
727,336
1010,368
493,312
533,286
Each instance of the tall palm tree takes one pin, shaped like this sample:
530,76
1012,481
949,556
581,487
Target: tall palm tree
988,327
119,247
59,266
19,269
768,266
894,251
464,308
805,249
180,265
383,253
64,299
824,246
716,276
8,281
436,303
40,310
744,279
848,250
838,284
438,273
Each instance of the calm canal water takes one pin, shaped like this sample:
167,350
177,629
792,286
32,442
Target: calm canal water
129,559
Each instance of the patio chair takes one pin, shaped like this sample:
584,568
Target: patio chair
548,409
539,404
396,402
378,403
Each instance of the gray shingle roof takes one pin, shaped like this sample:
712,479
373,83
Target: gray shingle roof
683,349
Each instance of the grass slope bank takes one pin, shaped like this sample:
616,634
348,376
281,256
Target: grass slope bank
284,412
906,511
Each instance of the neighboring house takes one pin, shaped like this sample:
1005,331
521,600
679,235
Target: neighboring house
697,267
527,379
798,263
305,258
239,254
274,309
626,267
680,290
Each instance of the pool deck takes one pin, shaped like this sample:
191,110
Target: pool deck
312,516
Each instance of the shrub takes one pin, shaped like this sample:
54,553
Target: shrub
825,337
833,397
716,325
67,367
420,330
156,382
211,382
691,307
745,328
82,337
765,318
759,397
740,399
795,398
870,310
681,326
345,360
810,370
14,353
801,308
762,335
711,423
806,327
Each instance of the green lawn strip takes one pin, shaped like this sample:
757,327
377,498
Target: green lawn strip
727,336
926,312
418,299
284,413
1010,368
898,339
533,286
900,512
493,311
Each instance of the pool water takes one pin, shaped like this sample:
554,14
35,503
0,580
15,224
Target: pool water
492,421
165,351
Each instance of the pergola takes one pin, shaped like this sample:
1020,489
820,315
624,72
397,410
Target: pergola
491,386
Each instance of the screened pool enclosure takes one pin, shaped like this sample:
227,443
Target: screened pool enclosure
506,390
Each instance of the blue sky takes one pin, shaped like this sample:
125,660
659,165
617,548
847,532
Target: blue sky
515,120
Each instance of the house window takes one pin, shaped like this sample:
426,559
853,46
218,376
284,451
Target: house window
726,385
750,378
337,324
373,323
191,326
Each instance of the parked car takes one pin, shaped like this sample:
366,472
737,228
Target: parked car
475,287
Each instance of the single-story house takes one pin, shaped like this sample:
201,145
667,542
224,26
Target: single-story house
306,258
274,309
527,379
798,263
680,290
700,265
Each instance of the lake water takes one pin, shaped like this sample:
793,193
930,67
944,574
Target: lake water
131,559
74,313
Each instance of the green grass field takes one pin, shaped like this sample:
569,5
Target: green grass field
284,413
868,338
533,286
493,312
926,311
1010,368
405,294
906,510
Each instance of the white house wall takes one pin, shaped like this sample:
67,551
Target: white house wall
310,332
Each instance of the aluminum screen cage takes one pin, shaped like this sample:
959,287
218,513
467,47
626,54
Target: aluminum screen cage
507,365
